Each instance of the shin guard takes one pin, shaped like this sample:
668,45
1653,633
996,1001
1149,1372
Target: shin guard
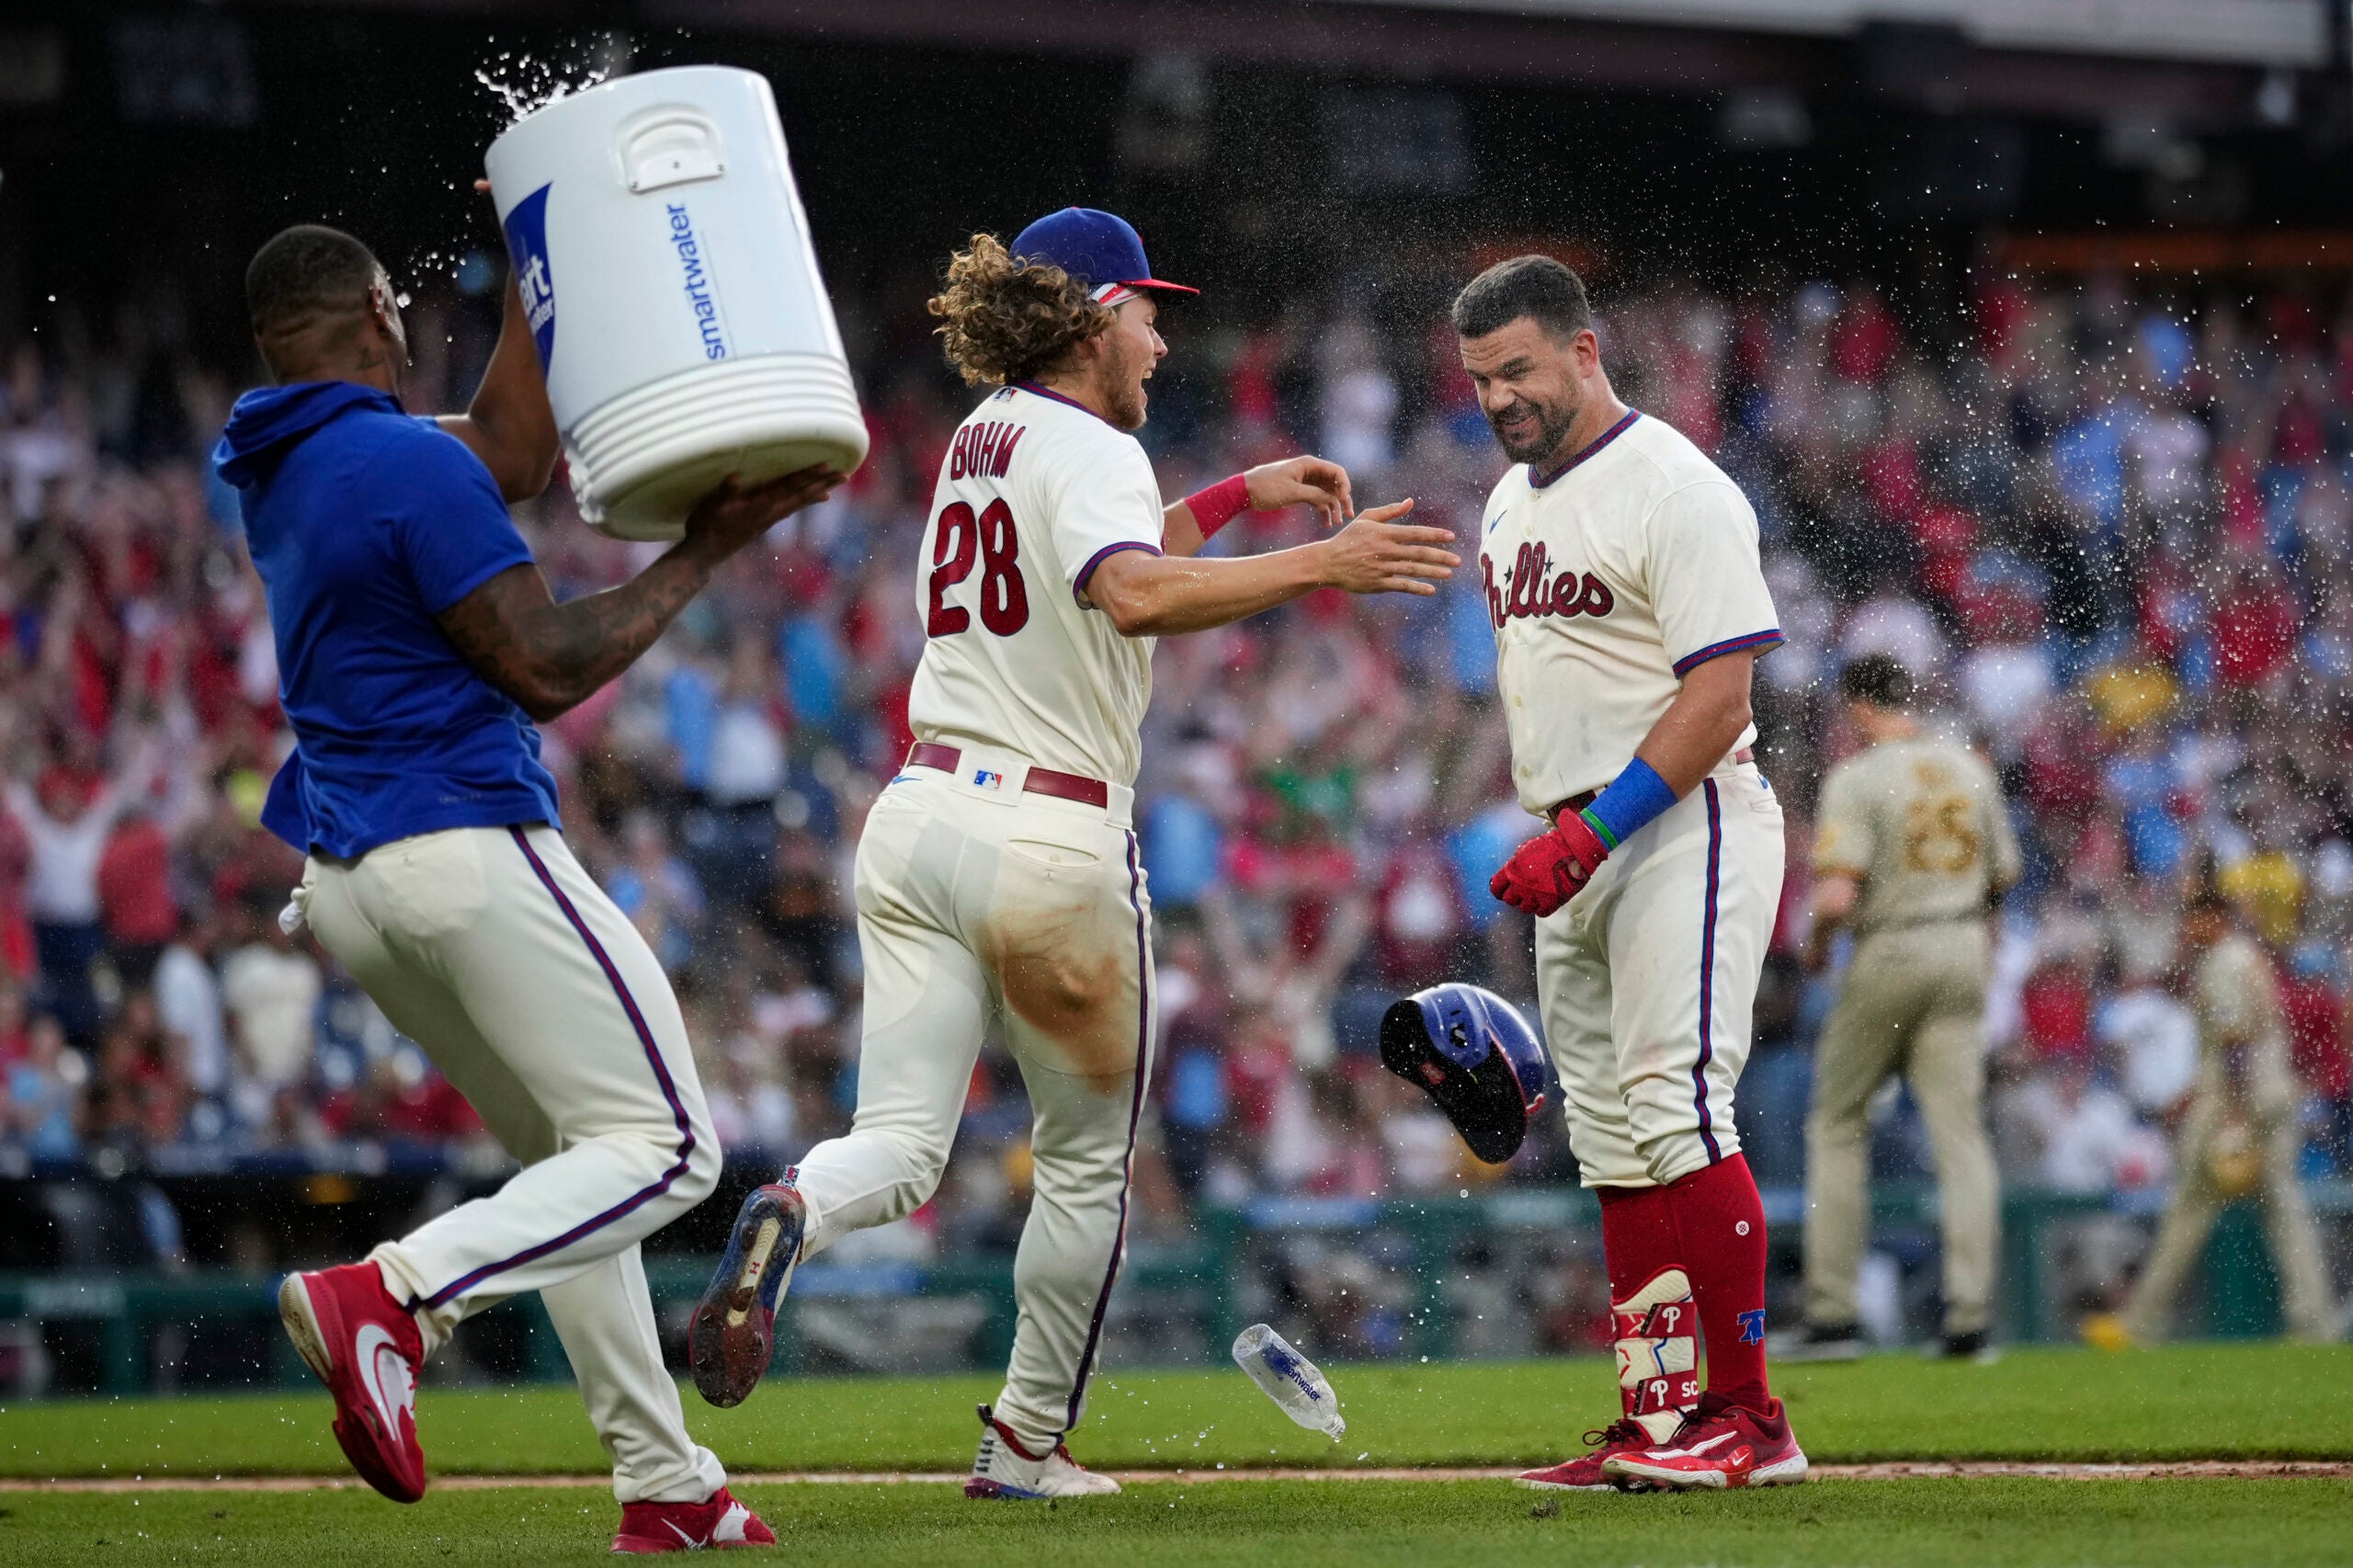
1658,1353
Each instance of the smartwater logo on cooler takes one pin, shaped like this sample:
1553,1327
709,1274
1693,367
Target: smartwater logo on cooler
701,298
526,248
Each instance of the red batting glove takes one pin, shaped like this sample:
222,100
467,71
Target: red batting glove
1548,870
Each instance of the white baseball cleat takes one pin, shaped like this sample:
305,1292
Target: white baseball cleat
1005,1472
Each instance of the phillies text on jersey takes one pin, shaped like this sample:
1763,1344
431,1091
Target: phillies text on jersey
1607,580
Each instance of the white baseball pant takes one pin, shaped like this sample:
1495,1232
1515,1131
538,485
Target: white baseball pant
1648,983
538,999
977,902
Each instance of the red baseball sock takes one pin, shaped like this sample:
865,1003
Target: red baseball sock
1652,1321
1720,1222
1638,1236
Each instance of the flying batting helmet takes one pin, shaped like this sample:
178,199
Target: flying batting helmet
1474,1054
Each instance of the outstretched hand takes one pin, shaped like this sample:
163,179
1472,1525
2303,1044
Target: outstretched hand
1377,554
1302,482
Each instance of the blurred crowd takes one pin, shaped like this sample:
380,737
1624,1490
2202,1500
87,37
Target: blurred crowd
2108,528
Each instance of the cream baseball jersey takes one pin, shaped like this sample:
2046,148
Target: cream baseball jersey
1922,823
1607,580
1034,494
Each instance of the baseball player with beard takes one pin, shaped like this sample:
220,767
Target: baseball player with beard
997,875
1622,581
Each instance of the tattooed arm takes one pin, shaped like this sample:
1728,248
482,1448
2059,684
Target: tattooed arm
549,656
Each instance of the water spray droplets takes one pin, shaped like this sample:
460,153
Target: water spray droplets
523,82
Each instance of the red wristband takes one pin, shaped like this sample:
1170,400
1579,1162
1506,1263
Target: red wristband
1220,503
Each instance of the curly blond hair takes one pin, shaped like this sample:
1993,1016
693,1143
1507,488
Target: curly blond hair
1004,319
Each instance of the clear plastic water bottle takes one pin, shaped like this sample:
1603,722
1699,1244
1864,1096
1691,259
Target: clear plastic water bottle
1289,1379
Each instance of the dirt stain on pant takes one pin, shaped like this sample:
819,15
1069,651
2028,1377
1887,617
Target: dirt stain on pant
1064,958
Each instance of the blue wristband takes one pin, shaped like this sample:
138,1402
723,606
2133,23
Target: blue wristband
1634,799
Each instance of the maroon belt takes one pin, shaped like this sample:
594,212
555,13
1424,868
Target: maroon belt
1579,801
1042,781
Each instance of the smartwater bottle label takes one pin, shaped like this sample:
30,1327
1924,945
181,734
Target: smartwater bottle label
1289,1379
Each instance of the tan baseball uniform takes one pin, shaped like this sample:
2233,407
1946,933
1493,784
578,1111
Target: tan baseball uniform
1607,581
982,899
1922,825
2239,1137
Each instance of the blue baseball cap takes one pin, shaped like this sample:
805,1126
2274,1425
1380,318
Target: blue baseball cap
1100,249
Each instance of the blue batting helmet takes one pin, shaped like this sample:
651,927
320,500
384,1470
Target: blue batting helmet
1474,1054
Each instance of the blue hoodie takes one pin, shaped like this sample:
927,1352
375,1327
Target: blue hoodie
365,523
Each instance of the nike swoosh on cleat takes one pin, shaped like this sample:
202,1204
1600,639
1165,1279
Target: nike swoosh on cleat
368,1347
1697,1449
689,1542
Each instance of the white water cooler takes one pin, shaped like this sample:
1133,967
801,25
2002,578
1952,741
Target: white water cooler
665,263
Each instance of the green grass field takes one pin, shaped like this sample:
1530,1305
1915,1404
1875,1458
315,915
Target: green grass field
2206,1402
2266,1402
1293,1524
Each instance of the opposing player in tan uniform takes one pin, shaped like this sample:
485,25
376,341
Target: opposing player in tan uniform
997,874
1628,607
1912,850
2239,1135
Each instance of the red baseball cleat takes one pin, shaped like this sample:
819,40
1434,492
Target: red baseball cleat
717,1521
1584,1472
1721,1444
365,1346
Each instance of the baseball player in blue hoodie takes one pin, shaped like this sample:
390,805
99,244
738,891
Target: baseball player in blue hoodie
418,644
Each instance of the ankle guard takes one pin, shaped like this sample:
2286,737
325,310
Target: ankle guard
1658,1353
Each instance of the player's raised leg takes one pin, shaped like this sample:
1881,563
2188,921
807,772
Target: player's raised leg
927,1002
566,994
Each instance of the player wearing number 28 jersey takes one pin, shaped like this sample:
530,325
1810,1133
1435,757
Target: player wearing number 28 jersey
1036,494
998,879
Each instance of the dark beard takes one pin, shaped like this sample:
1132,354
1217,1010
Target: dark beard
1544,446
